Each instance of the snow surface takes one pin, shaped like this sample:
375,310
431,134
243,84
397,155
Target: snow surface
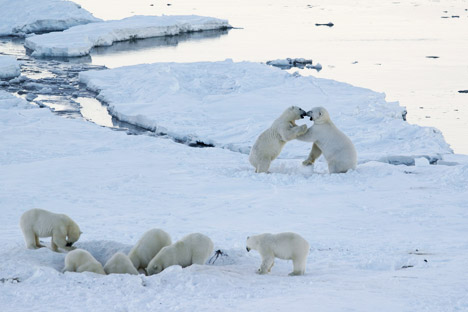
79,40
229,104
383,237
9,67
21,17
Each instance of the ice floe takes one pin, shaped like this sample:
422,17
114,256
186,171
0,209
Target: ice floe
9,67
229,104
21,17
79,40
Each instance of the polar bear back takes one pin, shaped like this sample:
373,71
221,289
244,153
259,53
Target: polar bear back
285,245
192,249
119,263
80,260
148,246
43,223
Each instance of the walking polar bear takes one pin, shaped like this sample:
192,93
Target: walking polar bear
147,247
119,263
336,147
270,143
79,260
37,223
192,249
286,246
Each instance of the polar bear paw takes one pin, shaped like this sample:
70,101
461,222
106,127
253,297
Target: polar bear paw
308,162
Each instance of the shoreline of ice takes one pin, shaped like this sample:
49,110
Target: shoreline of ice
79,40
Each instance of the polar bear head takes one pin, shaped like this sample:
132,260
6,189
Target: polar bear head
319,115
293,113
73,233
252,242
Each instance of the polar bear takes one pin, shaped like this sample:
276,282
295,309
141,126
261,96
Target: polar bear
286,246
270,143
194,248
79,260
147,247
119,263
37,223
336,147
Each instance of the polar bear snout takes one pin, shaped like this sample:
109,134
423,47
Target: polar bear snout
310,114
303,113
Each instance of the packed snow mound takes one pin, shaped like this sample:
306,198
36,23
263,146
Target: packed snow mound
9,67
21,17
229,104
79,40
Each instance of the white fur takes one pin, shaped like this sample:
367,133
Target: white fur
80,260
270,143
120,264
148,246
192,249
287,246
37,223
336,147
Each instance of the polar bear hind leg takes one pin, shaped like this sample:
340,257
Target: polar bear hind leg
30,239
313,155
298,267
262,165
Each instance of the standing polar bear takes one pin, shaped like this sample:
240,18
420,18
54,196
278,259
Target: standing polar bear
147,247
286,246
37,223
79,260
336,147
120,264
192,249
270,143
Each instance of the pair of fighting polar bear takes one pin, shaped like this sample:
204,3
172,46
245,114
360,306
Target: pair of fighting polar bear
336,147
154,252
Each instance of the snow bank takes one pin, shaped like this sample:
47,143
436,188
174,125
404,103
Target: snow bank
21,17
9,67
229,104
79,40
383,237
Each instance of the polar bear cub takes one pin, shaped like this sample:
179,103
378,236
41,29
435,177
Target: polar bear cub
147,247
286,246
270,143
336,147
194,248
37,223
80,260
119,263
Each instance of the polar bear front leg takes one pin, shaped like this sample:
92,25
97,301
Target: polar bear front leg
267,263
263,165
293,133
314,154
58,240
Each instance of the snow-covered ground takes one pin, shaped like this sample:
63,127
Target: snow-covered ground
228,104
9,67
383,237
79,40
21,17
